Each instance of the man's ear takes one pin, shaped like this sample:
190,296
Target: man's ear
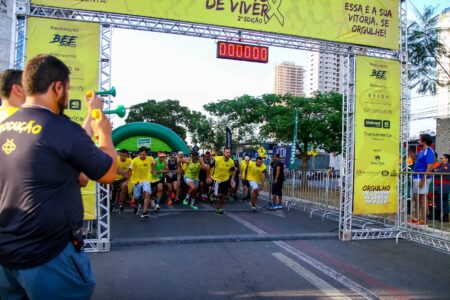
18,90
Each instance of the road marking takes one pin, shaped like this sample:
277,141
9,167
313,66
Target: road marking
318,282
345,281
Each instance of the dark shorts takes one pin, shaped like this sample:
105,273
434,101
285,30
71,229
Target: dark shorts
202,176
222,188
277,188
245,183
155,184
171,179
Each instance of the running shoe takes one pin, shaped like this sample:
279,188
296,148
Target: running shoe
272,206
172,195
157,208
253,208
194,207
136,209
219,211
121,210
144,215
279,206
169,202
185,202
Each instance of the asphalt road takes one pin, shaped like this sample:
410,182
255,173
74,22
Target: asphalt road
180,254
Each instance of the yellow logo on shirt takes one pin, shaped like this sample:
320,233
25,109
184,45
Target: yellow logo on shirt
9,146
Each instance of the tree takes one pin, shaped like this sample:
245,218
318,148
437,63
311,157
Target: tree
168,113
425,51
319,122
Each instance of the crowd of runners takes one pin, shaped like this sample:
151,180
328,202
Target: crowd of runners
144,182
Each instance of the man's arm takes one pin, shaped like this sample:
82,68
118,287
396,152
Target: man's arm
277,174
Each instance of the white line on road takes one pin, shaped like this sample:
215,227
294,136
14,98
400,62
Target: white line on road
345,281
318,282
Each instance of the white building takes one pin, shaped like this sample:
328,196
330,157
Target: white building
289,79
324,73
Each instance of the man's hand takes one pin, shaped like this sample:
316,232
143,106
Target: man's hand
421,182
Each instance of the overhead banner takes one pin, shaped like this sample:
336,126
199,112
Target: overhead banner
77,45
377,135
363,22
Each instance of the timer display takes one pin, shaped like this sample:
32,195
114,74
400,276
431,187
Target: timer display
253,53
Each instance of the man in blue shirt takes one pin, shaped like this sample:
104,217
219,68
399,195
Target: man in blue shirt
421,182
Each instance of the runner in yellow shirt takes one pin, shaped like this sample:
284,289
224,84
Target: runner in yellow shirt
141,176
256,177
11,93
245,164
120,184
222,169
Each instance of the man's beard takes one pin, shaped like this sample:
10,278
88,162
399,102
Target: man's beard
62,102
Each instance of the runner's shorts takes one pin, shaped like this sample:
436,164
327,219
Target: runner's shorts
139,187
189,180
221,188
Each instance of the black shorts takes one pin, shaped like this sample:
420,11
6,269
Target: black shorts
202,176
246,183
277,188
170,179
221,188
155,184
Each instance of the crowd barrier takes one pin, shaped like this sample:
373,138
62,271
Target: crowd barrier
420,218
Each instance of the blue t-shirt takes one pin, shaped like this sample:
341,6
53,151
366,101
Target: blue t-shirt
425,157
41,157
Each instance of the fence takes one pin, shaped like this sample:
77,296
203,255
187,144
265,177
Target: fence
422,218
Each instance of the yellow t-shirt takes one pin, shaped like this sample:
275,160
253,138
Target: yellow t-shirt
255,172
221,172
192,170
244,165
140,169
123,165
5,112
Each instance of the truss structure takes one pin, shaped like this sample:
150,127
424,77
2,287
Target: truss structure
348,149
350,227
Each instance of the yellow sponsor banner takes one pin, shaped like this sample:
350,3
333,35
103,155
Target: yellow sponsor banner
377,135
363,22
77,45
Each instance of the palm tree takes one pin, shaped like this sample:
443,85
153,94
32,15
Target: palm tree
425,50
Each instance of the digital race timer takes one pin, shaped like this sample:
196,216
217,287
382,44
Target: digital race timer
244,52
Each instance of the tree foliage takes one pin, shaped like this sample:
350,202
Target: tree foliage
320,118
425,50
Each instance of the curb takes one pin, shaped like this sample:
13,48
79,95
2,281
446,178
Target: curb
221,239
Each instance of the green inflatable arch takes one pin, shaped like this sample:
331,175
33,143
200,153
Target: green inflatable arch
149,130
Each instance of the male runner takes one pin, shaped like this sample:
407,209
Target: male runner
191,177
141,175
159,169
120,184
222,169
171,178
256,177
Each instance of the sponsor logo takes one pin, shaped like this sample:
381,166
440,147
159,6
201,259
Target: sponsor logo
64,40
379,74
385,173
75,104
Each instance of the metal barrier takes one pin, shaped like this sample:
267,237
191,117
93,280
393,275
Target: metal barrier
420,218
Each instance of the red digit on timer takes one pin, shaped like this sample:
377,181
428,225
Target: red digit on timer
255,53
247,51
264,54
231,50
223,49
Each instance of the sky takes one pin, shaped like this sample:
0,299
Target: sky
147,65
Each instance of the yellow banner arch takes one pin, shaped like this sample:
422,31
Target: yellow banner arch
363,22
